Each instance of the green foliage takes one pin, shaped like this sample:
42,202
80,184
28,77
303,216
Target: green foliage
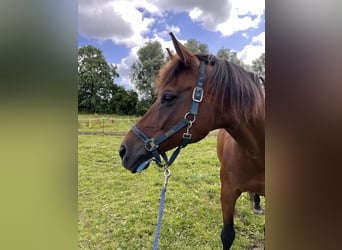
229,55
144,72
119,210
94,80
196,47
258,65
97,92
143,105
123,102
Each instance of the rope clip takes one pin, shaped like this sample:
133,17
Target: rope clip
167,174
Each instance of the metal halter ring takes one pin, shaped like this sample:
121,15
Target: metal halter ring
188,117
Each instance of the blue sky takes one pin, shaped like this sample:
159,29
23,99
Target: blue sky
119,27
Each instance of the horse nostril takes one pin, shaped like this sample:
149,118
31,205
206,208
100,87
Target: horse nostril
122,151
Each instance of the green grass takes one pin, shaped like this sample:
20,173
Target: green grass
119,210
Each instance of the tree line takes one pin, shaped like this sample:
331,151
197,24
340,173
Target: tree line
98,92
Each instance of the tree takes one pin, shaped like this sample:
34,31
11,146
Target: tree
95,80
229,55
144,71
196,47
123,102
258,65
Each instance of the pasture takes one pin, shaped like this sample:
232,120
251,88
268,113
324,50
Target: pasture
119,210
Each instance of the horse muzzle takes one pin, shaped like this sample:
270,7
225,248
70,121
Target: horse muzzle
136,162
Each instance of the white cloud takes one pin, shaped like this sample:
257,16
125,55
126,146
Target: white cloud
126,22
245,14
253,7
117,20
224,16
253,50
245,35
164,32
210,13
259,39
124,68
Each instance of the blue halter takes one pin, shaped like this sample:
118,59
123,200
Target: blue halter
152,144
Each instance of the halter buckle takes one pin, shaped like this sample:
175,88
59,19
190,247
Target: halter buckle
197,94
151,146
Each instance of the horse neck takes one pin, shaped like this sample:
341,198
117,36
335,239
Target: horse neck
250,136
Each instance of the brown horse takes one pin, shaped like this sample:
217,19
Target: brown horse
197,94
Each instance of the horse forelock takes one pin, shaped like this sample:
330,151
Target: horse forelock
170,71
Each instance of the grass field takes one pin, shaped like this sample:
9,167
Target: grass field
119,210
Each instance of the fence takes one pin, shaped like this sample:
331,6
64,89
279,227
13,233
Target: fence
105,125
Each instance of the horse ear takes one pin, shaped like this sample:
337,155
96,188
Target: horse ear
184,54
170,53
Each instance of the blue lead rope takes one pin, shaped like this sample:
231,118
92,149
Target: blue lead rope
160,216
161,207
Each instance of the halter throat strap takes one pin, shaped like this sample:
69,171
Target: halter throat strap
152,144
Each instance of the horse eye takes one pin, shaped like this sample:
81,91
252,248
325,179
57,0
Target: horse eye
167,98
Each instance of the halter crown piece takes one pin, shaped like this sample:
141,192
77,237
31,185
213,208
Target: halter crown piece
152,144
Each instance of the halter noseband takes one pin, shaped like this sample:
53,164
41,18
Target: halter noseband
152,144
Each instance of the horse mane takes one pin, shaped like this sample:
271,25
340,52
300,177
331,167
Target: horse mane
226,81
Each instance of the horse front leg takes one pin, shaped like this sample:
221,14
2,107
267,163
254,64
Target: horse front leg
228,234
228,200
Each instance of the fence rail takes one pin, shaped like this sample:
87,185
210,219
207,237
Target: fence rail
110,126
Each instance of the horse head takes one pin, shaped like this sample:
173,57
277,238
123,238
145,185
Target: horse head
181,102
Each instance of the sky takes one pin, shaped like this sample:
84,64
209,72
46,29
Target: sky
120,27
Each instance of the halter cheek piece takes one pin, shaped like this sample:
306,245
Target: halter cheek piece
152,144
